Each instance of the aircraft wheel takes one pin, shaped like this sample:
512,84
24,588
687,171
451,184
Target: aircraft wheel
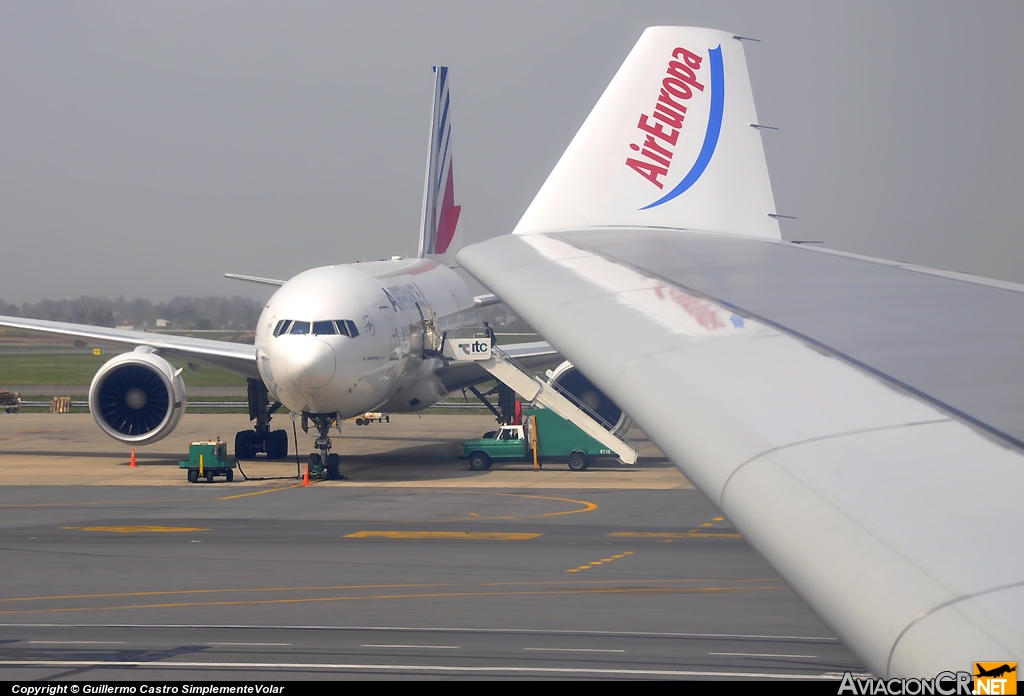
333,467
578,461
277,444
479,461
245,444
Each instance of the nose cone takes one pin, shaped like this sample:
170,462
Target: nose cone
309,362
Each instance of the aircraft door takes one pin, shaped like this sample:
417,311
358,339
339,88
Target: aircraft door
390,327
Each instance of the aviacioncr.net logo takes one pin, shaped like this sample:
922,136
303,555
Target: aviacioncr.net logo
943,684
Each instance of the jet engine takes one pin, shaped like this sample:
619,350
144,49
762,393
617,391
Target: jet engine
137,397
569,379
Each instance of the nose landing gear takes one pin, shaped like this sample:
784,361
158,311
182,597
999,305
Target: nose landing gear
323,464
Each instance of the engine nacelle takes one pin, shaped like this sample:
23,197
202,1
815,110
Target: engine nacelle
137,397
570,379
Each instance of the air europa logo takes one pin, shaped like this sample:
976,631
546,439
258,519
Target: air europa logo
659,131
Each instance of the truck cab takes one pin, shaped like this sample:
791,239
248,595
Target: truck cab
508,442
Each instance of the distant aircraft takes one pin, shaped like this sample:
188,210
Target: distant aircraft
860,421
332,342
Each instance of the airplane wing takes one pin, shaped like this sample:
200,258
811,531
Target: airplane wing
858,420
255,279
233,357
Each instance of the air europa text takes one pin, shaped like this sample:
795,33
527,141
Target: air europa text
659,131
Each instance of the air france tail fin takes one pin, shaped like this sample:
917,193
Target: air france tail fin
440,235
674,141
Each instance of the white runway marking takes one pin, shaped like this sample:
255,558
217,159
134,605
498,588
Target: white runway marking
253,644
426,647
758,655
77,642
576,650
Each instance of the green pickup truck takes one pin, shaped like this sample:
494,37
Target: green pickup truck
556,438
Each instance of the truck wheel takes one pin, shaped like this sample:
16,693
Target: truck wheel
578,461
229,475
479,461
193,475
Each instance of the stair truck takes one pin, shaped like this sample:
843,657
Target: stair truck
554,439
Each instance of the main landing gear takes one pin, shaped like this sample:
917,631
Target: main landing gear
261,439
322,464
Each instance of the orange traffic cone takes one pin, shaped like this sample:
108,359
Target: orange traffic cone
305,476
133,465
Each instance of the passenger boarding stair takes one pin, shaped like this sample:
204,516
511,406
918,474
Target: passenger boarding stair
532,388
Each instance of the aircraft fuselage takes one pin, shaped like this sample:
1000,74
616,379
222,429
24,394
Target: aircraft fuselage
351,338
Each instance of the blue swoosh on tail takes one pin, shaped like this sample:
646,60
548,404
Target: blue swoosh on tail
710,137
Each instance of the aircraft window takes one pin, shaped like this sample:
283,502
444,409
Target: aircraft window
283,326
300,327
321,328
280,325
342,328
352,330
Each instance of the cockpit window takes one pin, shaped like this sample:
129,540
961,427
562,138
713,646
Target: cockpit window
327,327
323,328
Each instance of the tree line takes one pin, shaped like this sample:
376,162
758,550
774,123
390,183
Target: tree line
184,313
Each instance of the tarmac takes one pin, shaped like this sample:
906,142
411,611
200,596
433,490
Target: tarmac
415,567
411,450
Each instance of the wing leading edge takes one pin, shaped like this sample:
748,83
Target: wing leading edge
233,357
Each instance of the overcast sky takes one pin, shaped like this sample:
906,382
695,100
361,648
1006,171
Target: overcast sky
147,148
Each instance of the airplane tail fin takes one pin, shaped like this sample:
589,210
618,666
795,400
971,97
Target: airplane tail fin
440,234
674,141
